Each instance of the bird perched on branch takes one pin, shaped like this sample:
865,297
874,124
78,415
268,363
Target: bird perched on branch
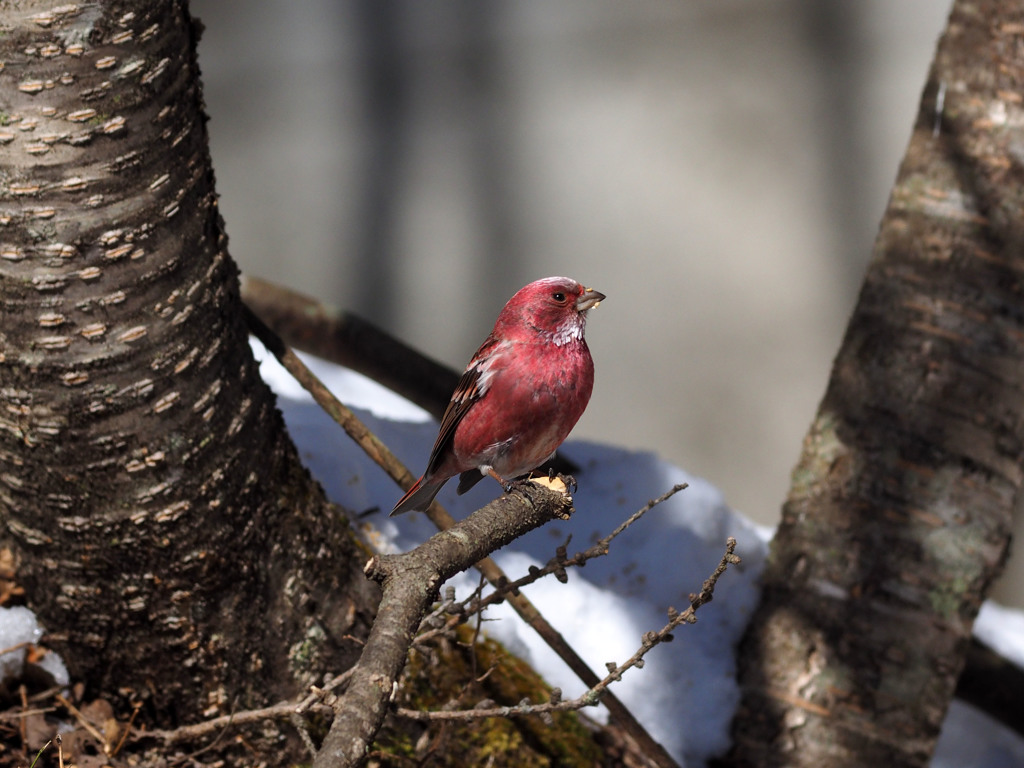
520,396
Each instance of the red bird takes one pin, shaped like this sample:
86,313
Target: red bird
521,394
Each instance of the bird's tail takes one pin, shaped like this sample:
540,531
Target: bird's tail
418,497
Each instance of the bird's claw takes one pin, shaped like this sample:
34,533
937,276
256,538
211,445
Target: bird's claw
520,483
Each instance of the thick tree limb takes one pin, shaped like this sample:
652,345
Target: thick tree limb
899,515
410,583
162,522
346,339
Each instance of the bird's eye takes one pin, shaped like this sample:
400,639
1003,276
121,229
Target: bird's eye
558,296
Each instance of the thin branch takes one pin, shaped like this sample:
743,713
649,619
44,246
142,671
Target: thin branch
560,561
199,730
283,709
82,719
448,613
20,714
594,695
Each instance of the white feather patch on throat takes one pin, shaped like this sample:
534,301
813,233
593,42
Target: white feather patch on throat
569,331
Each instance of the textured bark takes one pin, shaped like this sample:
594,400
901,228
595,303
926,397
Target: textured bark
170,539
898,517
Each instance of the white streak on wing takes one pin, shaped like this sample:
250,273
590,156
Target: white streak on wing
486,374
485,367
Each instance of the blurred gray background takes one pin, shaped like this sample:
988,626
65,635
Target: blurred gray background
718,168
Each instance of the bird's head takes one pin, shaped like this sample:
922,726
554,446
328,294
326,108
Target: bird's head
555,307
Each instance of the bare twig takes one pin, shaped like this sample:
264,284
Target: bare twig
17,647
594,695
283,709
127,730
198,730
82,720
560,562
22,725
20,714
448,613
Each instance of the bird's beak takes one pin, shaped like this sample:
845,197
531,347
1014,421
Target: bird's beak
589,299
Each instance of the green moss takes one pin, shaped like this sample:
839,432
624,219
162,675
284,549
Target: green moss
307,651
456,671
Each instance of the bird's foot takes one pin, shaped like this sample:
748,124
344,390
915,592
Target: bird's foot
570,482
521,483
566,479
505,484
556,481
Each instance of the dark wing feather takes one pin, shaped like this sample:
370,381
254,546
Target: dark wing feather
467,480
466,393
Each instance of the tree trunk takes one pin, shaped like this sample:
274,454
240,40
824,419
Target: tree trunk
898,517
169,537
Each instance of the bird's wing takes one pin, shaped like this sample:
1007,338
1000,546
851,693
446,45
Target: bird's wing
470,389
